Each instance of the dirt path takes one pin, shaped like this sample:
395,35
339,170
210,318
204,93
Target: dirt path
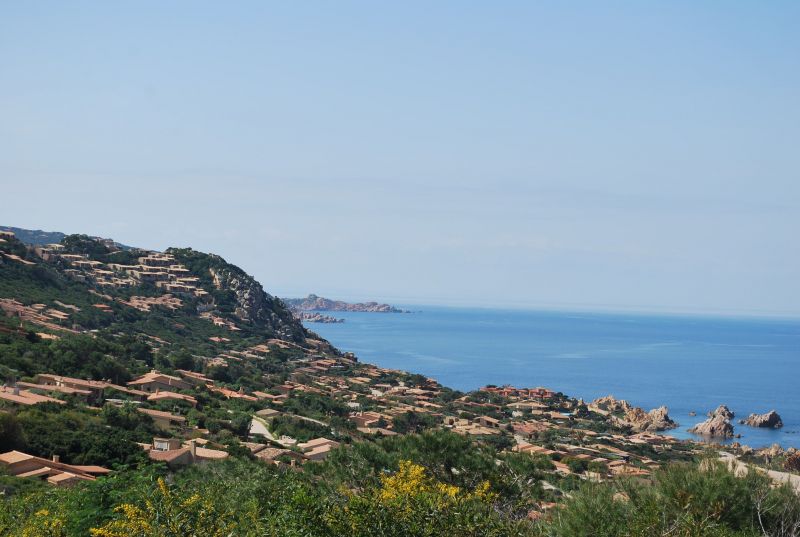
741,468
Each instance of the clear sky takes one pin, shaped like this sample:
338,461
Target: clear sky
570,154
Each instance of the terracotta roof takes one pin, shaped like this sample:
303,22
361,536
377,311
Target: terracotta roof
14,456
65,476
58,471
155,376
317,443
91,469
44,470
167,456
25,397
161,414
158,396
205,453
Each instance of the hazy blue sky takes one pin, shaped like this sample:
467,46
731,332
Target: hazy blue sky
629,154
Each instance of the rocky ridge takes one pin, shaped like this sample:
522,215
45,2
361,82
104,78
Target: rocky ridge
254,305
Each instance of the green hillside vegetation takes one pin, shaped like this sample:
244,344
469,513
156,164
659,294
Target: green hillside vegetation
245,498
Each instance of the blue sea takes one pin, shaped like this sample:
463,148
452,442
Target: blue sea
687,363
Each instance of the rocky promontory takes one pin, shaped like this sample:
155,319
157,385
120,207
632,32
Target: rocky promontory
718,425
316,317
770,420
624,413
317,303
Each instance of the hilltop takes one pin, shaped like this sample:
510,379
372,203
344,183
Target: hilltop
201,394
36,237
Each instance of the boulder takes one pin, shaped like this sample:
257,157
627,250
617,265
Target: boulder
612,404
658,420
722,410
770,420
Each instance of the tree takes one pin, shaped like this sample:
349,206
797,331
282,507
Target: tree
11,436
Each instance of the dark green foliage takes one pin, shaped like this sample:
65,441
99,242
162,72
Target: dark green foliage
79,437
314,405
298,428
74,355
83,244
413,422
11,435
685,500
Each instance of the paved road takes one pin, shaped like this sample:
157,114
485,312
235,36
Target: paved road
259,426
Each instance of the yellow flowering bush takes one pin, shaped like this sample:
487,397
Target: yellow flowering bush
412,479
412,502
167,514
44,523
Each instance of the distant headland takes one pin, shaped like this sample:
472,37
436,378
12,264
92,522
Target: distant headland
306,308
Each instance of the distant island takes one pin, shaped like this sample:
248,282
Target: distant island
314,303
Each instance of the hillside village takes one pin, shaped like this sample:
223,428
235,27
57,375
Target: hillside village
194,382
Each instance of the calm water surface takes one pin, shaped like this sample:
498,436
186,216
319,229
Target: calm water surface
686,363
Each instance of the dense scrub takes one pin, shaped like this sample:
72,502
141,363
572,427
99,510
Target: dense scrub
250,499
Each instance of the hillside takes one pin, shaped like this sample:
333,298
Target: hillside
167,393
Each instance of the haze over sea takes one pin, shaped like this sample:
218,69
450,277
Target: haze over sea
689,363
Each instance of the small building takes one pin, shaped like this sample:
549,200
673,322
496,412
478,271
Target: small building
366,419
155,381
163,420
176,455
166,396
318,448
488,421
198,379
19,464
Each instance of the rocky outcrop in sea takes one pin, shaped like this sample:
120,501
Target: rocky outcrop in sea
770,420
718,425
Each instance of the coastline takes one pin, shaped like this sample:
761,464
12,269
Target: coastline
689,364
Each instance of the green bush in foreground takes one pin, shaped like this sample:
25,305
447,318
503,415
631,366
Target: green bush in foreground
242,498
684,500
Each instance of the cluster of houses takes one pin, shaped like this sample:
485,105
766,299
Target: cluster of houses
159,269
376,396
42,315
